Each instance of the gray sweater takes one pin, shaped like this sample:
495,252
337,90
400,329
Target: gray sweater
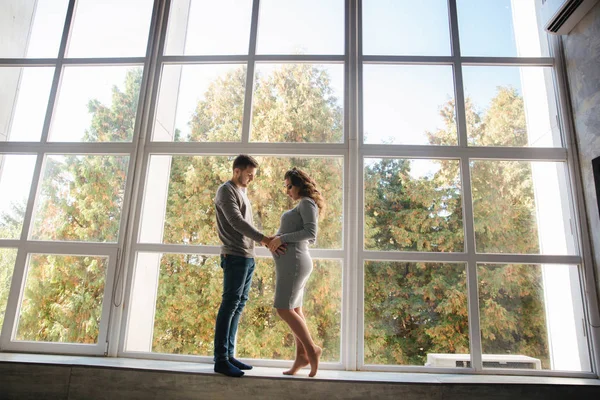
300,223
235,222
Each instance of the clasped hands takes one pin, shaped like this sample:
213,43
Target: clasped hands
274,244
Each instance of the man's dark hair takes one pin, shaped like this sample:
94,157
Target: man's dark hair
244,161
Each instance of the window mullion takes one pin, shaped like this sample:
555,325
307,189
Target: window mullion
467,203
58,70
472,292
352,294
137,172
246,120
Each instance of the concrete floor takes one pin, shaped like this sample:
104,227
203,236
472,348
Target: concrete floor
34,376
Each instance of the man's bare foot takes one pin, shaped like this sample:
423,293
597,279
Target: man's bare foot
301,361
314,361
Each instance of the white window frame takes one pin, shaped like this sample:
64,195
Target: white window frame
43,148
352,150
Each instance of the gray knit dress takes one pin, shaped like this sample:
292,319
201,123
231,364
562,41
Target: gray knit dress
298,228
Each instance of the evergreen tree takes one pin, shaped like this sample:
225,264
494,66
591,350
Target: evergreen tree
81,199
411,309
190,216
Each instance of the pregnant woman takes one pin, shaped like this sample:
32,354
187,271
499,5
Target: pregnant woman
298,228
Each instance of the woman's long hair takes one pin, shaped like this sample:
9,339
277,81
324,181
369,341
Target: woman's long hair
307,185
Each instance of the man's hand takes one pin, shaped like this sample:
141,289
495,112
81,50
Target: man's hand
266,240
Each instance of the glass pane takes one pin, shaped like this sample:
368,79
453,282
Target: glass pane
500,28
406,27
521,207
31,29
532,317
99,28
511,106
409,104
413,205
16,173
179,197
298,103
200,103
24,98
184,319
80,198
301,27
8,257
62,299
206,27
414,312
96,104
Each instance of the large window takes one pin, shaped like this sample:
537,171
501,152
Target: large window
466,235
69,111
449,241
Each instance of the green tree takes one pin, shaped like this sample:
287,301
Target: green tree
190,286
10,227
7,262
511,300
81,199
412,309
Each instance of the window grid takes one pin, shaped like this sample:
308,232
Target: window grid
353,150
42,149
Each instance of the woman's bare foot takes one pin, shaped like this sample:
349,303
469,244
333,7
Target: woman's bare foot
301,361
314,361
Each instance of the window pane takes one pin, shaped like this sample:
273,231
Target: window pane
200,103
409,104
179,207
62,300
8,257
206,27
500,28
96,104
414,312
80,198
31,29
521,207
406,27
532,317
301,27
511,106
296,103
187,301
413,205
99,28
24,98
16,173
188,298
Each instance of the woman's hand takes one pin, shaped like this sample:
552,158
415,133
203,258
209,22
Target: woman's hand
275,244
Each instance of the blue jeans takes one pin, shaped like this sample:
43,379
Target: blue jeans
237,279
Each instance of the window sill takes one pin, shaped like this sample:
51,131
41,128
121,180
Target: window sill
270,372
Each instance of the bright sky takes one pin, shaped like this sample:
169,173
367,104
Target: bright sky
400,102
15,181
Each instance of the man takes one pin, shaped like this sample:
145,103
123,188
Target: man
237,233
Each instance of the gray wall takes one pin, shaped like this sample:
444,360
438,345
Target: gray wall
15,26
582,55
41,381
